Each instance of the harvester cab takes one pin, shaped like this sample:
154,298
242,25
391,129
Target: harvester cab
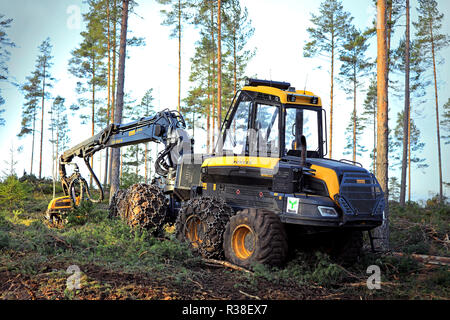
273,142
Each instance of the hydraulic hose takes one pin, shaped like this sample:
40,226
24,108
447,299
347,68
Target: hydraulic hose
97,182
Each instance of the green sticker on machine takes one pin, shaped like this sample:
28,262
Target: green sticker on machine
292,204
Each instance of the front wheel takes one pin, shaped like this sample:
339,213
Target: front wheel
201,222
255,236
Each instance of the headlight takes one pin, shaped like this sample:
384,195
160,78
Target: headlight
327,212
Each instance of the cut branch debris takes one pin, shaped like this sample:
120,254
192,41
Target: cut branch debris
226,264
443,261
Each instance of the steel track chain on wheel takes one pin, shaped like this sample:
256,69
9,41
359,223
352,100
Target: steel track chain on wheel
202,222
114,204
141,205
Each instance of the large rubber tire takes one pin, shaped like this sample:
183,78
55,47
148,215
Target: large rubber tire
141,205
201,222
346,247
255,236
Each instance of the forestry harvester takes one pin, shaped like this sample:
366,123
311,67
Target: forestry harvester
266,182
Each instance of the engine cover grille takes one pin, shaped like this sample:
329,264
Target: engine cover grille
360,193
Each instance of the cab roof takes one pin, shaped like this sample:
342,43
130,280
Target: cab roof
284,92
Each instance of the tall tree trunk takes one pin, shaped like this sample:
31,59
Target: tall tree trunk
354,118
32,141
213,77
113,88
437,115
374,141
382,232
92,111
145,162
208,113
389,30
52,121
405,112
115,183
409,154
193,124
121,168
42,121
108,85
331,98
99,168
234,61
179,55
57,145
137,161
219,65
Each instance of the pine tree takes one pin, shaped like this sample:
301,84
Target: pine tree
32,91
445,122
60,126
35,91
196,102
355,66
327,38
176,16
415,147
417,90
149,109
415,142
219,64
205,18
382,171
131,161
238,30
369,117
11,163
353,133
201,101
394,189
110,15
43,65
115,158
431,42
198,99
87,62
145,109
5,44
406,111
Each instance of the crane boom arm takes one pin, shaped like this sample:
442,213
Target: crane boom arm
165,127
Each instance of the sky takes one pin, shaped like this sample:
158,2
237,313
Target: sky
280,34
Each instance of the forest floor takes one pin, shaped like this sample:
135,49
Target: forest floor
116,262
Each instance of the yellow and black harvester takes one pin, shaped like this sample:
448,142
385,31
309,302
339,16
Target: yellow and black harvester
266,183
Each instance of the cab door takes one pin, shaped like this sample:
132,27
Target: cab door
235,132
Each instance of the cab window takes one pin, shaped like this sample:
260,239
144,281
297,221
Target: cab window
300,122
264,140
236,133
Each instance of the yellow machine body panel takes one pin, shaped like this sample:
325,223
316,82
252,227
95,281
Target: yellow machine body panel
330,178
242,161
327,175
62,203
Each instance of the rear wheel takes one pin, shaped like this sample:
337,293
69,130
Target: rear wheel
141,205
255,236
201,222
